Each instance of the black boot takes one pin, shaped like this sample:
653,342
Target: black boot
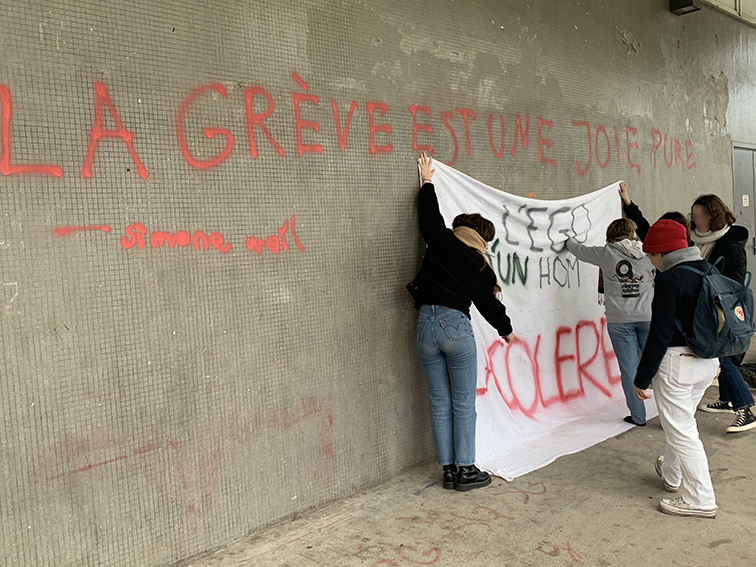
471,477
629,419
450,475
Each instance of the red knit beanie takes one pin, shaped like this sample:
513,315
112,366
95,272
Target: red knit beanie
665,236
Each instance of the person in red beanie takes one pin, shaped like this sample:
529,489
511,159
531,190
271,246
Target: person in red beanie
679,377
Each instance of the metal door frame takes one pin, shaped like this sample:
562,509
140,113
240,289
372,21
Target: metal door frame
742,146
752,147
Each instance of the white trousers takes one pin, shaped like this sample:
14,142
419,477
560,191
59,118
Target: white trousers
679,386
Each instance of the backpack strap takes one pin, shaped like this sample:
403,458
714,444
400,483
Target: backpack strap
678,324
720,260
694,270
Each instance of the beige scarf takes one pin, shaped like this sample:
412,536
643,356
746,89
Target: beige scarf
475,241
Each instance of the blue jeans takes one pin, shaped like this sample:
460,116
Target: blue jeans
732,387
628,340
446,347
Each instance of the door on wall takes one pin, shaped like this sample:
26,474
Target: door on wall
744,197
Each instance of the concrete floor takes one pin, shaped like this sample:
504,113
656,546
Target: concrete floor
598,507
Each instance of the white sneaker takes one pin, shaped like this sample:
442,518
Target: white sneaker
679,507
668,487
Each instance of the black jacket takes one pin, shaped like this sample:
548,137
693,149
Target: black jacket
453,274
634,214
731,247
675,297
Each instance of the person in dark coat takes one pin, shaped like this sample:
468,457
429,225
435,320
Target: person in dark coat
454,274
722,243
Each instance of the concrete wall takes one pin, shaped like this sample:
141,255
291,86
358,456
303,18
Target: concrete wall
160,402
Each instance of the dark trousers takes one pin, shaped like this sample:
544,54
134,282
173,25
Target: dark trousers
732,387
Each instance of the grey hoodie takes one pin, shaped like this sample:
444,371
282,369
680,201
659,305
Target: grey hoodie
628,278
692,254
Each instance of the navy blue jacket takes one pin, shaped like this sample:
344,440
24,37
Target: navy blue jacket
675,296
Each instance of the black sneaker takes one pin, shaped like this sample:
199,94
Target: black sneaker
629,419
450,475
746,371
471,477
744,420
717,407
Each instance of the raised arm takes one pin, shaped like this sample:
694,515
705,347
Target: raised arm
432,224
632,212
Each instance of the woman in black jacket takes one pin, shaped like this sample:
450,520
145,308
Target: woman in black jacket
722,243
454,274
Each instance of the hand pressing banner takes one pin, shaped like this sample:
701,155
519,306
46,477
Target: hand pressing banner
557,390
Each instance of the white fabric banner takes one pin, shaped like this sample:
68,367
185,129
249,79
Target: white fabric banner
557,391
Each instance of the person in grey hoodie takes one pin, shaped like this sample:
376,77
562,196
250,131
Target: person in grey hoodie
628,292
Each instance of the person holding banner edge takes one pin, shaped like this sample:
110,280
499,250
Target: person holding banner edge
454,274
628,292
